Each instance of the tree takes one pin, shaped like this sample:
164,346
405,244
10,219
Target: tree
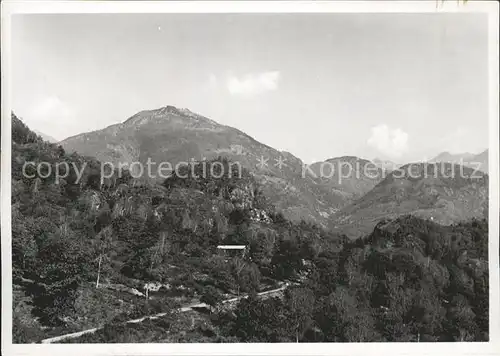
246,275
103,245
300,305
286,262
461,319
212,297
62,266
260,321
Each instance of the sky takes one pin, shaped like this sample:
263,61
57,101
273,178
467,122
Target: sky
402,87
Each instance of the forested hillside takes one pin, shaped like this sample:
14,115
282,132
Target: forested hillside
410,280
83,249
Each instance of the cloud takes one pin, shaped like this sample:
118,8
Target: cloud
391,142
253,83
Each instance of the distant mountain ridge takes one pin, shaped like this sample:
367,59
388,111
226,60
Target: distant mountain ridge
476,161
449,157
388,165
46,137
351,175
442,192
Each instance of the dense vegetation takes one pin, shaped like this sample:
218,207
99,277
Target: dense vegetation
409,280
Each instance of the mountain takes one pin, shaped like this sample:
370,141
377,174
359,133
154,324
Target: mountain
348,175
480,161
46,137
175,135
440,192
83,250
386,164
449,157
78,244
476,161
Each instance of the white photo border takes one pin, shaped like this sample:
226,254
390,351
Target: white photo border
91,7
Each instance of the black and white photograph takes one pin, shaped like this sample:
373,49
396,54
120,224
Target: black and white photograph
240,174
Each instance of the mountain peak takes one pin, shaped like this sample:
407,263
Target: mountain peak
169,109
347,159
172,115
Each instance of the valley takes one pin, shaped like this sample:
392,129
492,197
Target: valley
375,256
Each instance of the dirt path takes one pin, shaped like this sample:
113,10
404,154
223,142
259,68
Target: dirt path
156,316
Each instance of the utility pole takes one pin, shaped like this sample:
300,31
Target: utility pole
98,271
